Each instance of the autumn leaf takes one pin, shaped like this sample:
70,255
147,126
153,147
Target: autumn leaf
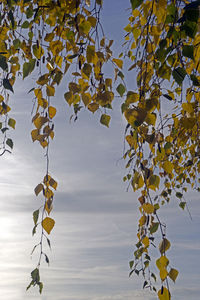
48,224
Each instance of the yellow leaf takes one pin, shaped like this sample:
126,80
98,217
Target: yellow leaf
48,193
145,241
44,143
53,183
148,208
90,53
34,134
38,93
40,121
92,21
56,47
151,119
48,224
142,220
162,262
85,27
86,97
163,274
164,245
38,188
137,181
118,62
52,111
93,106
173,273
132,97
168,167
46,179
50,90
163,294
131,140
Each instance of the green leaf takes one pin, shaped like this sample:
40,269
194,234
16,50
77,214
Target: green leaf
154,227
190,28
35,276
31,283
195,80
16,43
9,142
131,263
34,229
25,25
11,123
10,16
179,195
105,120
188,51
135,3
179,75
28,67
121,89
40,287
3,63
182,204
7,85
35,216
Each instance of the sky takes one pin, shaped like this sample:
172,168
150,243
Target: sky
96,218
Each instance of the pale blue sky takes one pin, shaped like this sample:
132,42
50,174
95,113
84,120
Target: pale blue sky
96,219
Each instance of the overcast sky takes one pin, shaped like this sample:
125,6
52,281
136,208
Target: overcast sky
96,219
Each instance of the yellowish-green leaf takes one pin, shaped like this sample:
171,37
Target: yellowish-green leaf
148,208
38,188
38,51
48,224
92,21
11,123
154,182
93,106
90,53
85,27
105,120
173,273
168,167
164,245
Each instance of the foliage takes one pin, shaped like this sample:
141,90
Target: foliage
162,44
